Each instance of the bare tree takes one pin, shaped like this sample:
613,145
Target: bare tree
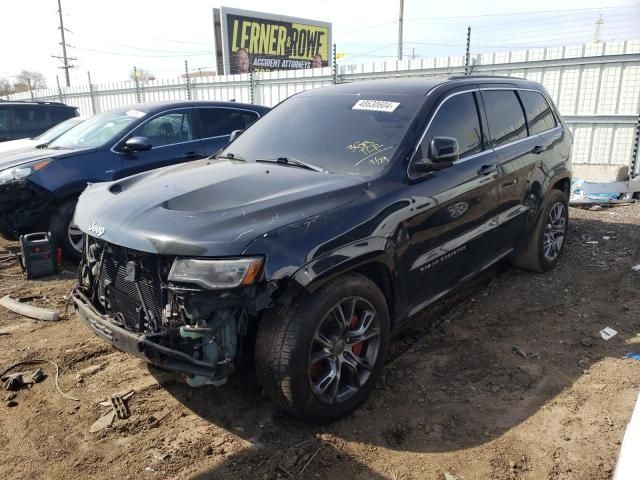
33,79
5,87
142,74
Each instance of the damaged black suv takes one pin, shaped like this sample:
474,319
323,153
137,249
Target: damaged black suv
322,229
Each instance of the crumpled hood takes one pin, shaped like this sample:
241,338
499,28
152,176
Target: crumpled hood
19,157
208,208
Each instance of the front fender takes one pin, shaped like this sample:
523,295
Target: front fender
343,259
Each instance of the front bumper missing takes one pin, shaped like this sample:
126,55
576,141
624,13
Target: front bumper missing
139,345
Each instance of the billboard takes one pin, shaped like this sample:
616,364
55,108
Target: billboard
263,42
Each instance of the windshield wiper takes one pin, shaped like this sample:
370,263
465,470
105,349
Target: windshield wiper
295,163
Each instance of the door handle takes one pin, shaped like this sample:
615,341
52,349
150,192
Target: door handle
538,149
487,169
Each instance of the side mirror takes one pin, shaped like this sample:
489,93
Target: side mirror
443,151
137,144
235,134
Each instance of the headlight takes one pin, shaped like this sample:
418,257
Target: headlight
216,274
21,171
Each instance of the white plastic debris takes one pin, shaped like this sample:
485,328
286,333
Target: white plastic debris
29,310
607,333
636,268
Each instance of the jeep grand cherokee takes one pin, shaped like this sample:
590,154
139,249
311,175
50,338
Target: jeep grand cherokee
324,228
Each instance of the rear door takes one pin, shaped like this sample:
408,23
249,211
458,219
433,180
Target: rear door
217,124
174,139
453,209
518,156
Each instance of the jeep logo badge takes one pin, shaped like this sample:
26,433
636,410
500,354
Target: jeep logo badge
96,229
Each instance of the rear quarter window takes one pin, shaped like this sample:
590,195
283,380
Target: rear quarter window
222,121
539,114
60,114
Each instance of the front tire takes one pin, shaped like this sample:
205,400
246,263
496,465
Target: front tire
65,233
542,250
320,357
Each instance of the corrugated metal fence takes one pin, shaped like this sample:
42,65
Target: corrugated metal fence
596,87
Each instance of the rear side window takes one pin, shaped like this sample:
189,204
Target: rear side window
222,121
539,115
32,118
505,116
457,118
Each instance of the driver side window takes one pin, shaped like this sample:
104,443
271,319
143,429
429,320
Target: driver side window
167,129
457,118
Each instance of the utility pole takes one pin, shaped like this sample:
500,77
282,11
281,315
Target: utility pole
65,60
596,35
400,19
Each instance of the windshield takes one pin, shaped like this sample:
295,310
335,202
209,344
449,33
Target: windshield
55,132
344,134
96,131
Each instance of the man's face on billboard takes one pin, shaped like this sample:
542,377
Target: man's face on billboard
242,60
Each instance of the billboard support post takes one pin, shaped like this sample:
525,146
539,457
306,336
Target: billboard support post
187,80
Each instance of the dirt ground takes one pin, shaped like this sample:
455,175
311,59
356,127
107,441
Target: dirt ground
506,379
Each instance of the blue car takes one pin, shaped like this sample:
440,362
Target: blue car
39,188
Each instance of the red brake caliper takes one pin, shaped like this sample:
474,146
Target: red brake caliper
357,347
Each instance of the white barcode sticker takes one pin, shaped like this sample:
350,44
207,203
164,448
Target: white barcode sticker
375,105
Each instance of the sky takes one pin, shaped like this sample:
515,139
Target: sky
110,37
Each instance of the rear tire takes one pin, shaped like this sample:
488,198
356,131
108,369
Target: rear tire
544,246
320,357
69,240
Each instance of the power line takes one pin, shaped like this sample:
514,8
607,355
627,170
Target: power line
133,47
124,54
465,18
537,12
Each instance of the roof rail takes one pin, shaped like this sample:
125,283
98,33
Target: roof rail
462,77
34,102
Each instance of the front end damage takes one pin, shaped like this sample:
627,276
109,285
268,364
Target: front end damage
24,207
126,298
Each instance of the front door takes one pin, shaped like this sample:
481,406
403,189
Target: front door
449,233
